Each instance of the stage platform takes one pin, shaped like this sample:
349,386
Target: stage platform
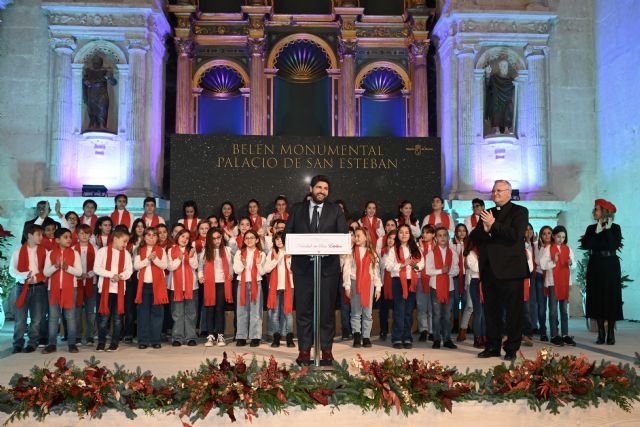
169,360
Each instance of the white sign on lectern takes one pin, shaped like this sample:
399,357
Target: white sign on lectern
318,244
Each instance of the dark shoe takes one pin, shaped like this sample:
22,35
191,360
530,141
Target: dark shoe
535,331
509,356
326,358
346,335
383,336
29,349
142,346
430,337
73,349
436,344
90,341
100,346
557,341
64,339
357,340
255,342
192,343
176,344
488,353
462,335
304,358
407,345
42,343
113,347
49,349
449,344
241,342
568,341
456,326
157,346
17,350
397,345
276,341
423,336
611,337
128,340
366,342
290,343
544,338
601,333
477,342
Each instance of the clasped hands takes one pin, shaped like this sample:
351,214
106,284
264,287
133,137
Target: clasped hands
487,220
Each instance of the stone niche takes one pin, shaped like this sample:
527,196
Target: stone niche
126,152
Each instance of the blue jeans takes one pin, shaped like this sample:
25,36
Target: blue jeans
478,308
554,307
184,315
282,323
423,304
104,321
541,302
441,316
150,317
54,322
361,320
402,313
34,305
87,313
249,316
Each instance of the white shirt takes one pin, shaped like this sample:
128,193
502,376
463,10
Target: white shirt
217,265
188,223
547,264
378,226
85,220
311,206
278,264
415,229
75,269
139,264
100,240
83,259
238,268
393,265
349,271
174,264
472,267
102,270
147,220
432,271
438,220
467,222
33,265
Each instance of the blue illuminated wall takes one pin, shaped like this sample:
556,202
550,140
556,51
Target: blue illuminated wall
382,117
220,116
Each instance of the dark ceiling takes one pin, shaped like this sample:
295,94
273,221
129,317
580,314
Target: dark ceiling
371,7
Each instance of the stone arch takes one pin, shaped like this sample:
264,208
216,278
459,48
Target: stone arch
107,48
195,82
293,38
384,64
515,59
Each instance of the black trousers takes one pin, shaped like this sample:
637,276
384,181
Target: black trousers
214,315
130,307
503,296
303,299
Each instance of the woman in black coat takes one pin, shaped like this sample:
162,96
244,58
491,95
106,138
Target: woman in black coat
604,284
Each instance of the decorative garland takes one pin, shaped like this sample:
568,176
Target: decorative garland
395,384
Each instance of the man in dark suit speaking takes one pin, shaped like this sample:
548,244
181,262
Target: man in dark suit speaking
503,267
316,216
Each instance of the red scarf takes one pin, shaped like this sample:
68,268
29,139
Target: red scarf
239,240
210,280
401,221
62,293
99,243
155,220
182,276
74,236
386,280
283,216
363,276
254,278
199,243
474,220
561,274
426,248
371,225
403,274
108,265
23,267
461,270
160,295
191,225
125,220
444,219
256,224
92,221
48,244
442,280
85,287
273,287
227,224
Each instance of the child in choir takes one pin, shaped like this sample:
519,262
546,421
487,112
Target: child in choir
438,217
102,233
362,284
69,220
345,303
201,237
557,260
281,203
423,290
527,333
164,241
198,244
89,217
151,219
213,221
228,221
215,275
280,294
544,240
120,214
248,264
62,266
460,296
406,216
86,289
389,225
372,223
236,243
387,292
442,267
112,268
404,263
258,223
27,267
472,220
175,229
151,261
131,290
472,279
49,241
190,217
277,226
183,264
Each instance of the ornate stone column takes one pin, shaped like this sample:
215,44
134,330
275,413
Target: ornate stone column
61,120
184,119
347,52
537,158
137,115
420,114
466,57
257,110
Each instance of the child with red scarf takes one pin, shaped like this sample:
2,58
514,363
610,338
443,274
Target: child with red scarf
372,223
281,203
151,219
102,232
423,290
248,264
442,267
62,266
556,260
120,215
27,267
183,263
280,291
387,292
112,268
361,282
404,263
438,217
190,217
87,292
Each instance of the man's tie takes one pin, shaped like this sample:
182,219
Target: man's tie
314,219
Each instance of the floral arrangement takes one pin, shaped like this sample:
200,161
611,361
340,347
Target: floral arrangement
393,384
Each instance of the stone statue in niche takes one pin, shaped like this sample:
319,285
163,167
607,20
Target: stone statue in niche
499,101
95,92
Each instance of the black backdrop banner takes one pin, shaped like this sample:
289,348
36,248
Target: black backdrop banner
213,169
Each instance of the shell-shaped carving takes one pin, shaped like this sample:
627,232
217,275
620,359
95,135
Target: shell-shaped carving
302,62
382,83
221,81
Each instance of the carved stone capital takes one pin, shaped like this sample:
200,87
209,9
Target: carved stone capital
535,51
347,47
419,48
136,45
183,21
97,19
66,45
466,50
256,47
184,47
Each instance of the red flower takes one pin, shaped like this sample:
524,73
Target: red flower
611,371
5,233
241,368
229,398
61,363
321,395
